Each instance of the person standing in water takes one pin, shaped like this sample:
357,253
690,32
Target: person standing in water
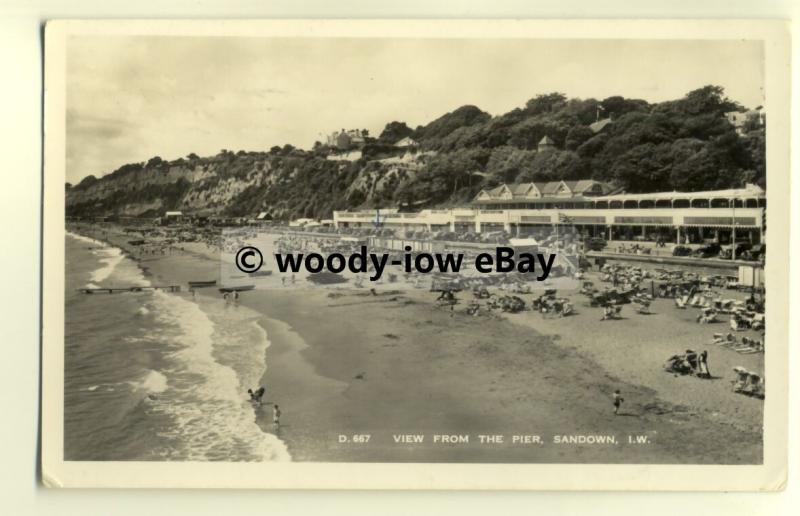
276,415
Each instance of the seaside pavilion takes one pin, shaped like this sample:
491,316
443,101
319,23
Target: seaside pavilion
588,207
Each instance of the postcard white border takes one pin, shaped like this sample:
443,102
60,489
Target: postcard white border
767,477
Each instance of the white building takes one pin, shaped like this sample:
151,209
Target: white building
584,206
406,142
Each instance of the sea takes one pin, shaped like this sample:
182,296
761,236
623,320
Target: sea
157,376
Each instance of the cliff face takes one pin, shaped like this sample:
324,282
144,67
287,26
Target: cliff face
242,184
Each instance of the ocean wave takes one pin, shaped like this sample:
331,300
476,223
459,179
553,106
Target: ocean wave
86,239
153,382
207,398
109,257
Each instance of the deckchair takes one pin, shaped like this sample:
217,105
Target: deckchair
742,378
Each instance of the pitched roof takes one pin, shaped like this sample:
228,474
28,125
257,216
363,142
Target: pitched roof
496,191
546,140
521,189
599,125
588,184
550,188
545,190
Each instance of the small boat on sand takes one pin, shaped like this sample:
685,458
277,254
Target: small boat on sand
261,273
202,283
238,288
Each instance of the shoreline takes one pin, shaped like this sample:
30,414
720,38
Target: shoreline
403,366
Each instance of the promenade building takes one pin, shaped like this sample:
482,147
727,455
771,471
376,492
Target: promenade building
592,209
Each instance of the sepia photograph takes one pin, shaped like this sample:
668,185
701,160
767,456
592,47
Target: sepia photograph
412,247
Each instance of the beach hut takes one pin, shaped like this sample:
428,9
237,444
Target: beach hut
172,217
751,276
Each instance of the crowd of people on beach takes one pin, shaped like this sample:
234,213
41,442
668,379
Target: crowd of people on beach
506,293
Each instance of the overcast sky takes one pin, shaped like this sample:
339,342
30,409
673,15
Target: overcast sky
132,98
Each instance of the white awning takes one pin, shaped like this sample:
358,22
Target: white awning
750,192
523,242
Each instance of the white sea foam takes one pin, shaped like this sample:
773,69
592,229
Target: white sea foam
208,398
154,382
205,396
109,258
86,239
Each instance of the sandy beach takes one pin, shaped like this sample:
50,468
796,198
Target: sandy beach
344,363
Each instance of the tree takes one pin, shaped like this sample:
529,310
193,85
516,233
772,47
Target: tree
526,134
577,136
706,100
394,132
444,125
709,99
154,162
545,103
554,166
616,106
755,143
642,169
506,163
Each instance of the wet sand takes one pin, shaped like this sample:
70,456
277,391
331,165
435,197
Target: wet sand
346,363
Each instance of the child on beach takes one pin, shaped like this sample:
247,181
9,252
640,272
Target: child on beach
276,415
617,401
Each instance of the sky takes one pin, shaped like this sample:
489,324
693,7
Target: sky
130,98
